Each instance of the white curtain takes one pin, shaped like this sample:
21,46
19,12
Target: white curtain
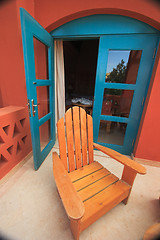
59,80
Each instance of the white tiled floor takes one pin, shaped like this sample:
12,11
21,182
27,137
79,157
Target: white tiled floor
30,208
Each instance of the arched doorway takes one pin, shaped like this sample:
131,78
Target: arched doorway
126,54
118,101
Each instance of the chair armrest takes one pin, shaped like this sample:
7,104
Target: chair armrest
122,159
72,203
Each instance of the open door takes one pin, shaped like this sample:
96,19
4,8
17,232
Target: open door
123,73
38,49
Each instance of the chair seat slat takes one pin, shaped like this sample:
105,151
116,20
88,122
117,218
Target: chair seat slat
97,187
91,179
85,171
103,202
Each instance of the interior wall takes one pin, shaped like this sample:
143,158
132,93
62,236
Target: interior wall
86,67
80,58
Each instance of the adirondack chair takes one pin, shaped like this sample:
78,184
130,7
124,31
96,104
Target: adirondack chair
86,188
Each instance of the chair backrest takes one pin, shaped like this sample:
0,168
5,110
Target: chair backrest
75,136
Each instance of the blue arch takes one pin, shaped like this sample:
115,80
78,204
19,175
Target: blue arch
103,24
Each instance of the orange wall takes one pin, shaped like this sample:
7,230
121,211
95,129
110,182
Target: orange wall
148,140
51,14
12,78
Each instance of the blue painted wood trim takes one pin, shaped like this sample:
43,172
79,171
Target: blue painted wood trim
30,29
42,82
156,49
114,118
51,72
147,45
102,24
89,37
99,87
120,86
45,118
46,150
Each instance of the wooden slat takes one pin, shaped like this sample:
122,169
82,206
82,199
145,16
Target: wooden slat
128,176
72,203
122,159
83,136
84,171
104,201
77,139
90,179
90,137
97,187
75,226
70,143
62,142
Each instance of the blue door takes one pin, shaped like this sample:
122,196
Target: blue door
39,70
123,73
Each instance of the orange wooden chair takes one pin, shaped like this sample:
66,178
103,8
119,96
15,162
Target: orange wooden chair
86,188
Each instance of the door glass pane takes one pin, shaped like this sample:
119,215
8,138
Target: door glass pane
122,66
45,136
41,59
117,102
43,101
112,132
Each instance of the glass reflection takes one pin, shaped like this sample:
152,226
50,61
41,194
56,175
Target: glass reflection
123,66
43,100
112,132
41,59
117,102
45,137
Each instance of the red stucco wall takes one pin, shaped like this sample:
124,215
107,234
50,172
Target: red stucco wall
12,76
148,140
51,14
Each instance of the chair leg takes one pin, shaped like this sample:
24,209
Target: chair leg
128,176
58,194
75,228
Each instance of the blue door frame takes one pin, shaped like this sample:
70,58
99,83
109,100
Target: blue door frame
30,29
116,33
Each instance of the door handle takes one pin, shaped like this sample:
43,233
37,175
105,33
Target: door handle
36,105
29,109
33,107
